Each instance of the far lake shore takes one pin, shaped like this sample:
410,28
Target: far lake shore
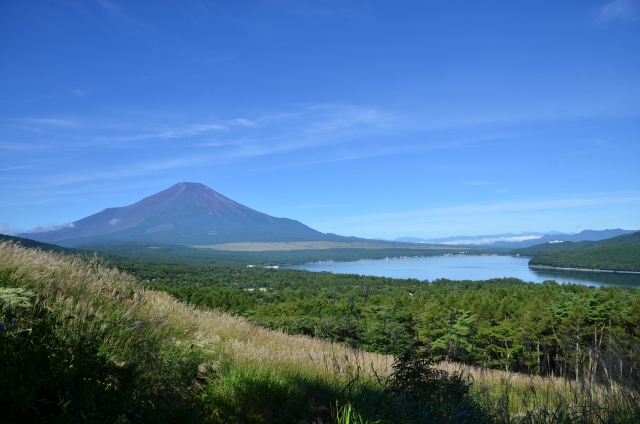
583,269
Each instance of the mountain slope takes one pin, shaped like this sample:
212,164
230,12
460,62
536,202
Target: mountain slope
185,214
624,240
620,253
609,258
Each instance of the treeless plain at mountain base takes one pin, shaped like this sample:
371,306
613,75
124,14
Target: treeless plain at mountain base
313,245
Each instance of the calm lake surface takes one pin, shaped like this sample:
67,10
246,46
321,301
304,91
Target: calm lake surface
469,268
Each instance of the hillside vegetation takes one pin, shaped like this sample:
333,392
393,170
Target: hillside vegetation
88,343
81,342
502,323
624,240
620,253
611,258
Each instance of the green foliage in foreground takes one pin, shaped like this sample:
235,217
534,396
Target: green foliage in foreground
50,374
613,258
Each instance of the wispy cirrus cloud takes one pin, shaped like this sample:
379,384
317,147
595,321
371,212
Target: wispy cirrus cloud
51,122
116,11
619,10
316,206
316,134
123,172
479,183
421,220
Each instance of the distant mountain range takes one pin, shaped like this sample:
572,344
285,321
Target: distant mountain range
184,214
522,240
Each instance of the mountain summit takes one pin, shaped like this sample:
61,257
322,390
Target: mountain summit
186,214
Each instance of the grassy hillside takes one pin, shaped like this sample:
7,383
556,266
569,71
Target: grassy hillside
155,359
32,244
80,342
620,253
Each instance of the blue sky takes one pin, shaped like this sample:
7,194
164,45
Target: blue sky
373,119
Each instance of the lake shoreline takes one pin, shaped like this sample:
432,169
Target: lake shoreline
472,268
610,271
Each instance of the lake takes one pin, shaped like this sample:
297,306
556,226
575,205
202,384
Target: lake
469,268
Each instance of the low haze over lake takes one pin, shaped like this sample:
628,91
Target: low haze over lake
470,268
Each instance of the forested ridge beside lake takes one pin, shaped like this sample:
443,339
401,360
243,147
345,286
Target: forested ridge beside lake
632,239
502,323
620,253
612,258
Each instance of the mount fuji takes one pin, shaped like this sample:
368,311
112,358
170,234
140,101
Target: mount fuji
184,214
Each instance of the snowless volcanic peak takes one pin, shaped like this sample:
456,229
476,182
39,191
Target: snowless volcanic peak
182,195
187,214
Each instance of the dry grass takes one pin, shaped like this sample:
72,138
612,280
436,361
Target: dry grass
88,288
515,396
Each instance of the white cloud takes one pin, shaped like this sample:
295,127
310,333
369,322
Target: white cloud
422,220
479,183
624,10
55,122
246,122
50,227
8,230
491,240
114,221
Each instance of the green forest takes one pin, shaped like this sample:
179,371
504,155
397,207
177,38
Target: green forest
614,258
616,254
624,240
507,324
